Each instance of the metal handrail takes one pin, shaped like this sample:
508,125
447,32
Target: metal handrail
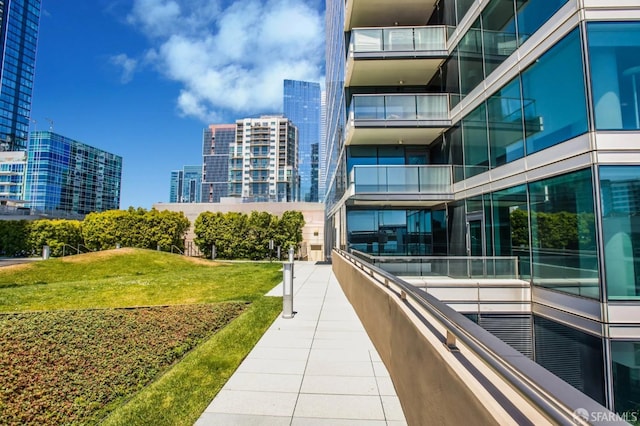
556,398
177,249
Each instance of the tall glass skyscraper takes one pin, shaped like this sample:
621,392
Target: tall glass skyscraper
67,176
186,185
19,22
302,107
216,141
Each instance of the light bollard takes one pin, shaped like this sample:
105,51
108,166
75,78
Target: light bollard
287,290
213,252
291,254
46,252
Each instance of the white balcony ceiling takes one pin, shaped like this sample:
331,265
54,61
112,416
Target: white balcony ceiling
393,136
385,13
391,72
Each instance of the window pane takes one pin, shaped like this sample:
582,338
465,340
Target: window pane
498,33
625,357
614,54
476,142
554,95
511,226
505,124
563,235
533,13
470,59
620,194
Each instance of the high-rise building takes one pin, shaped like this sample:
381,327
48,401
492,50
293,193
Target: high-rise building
263,159
12,171
500,128
322,160
19,22
216,141
67,176
302,107
185,186
175,188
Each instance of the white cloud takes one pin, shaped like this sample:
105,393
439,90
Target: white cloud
127,65
231,59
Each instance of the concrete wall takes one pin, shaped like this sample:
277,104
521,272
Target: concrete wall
312,233
430,391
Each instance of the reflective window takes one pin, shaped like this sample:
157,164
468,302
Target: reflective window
614,55
625,357
462,7
554,95
498,33
563,234
620,195
470,59
533,13
476,143
511,226
505,124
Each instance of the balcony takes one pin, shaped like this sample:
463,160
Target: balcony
416,119
395,55
376,13
426,185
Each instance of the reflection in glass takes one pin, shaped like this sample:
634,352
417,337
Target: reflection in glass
470,59
563,234
625,357
533,13
498,33
614,55
554,95
511,226
505,124
476,142
620,195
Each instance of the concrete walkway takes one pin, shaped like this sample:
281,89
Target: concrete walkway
318,368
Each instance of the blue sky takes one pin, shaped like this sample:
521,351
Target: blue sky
143,78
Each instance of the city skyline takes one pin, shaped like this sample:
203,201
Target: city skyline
133,94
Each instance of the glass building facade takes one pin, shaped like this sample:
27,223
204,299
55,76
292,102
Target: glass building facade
215,159
302,106
186,185
67,176
533,155
19,22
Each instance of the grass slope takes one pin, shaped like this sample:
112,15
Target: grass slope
130,277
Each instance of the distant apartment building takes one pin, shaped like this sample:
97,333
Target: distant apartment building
216,140
67,176
186,185
302,106
12,171
18,39
263,160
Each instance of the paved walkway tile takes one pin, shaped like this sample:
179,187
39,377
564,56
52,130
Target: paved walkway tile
318,368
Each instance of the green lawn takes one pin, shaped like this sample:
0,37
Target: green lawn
61,312
130,277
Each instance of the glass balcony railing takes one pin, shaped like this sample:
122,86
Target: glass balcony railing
399,39
430,179
428,106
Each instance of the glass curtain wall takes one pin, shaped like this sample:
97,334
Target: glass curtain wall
563,234
614,55
625,358
620,198
383,232
510,221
